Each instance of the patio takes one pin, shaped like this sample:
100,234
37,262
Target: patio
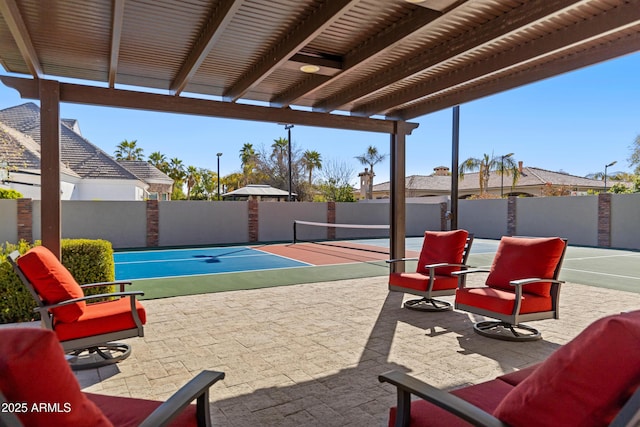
310,354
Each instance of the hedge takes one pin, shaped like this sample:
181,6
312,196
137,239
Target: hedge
89,261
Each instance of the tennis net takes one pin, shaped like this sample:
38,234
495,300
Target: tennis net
309,231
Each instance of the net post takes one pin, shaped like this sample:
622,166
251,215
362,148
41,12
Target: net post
294,232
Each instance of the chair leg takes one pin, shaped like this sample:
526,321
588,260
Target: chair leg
428,304
98,356
506,331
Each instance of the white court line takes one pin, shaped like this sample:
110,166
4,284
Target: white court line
282,256
602,274
192,259
603,256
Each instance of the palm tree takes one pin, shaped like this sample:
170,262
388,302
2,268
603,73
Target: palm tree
193,177
247,160
280,148
159,160
371,158
502,165
127,150
311,160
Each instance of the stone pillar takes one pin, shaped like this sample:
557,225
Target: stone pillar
604,220
25,220
512,216
331,219
253,220
153,223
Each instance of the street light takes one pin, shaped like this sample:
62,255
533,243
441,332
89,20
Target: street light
502,173
219,154
605,173
288,128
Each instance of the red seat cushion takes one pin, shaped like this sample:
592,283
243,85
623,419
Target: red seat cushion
501,301
522,258
52,281
485,395
584,383
442,246
420,281
33,371
101,318
130,412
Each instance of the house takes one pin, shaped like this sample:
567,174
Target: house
87,172
532,182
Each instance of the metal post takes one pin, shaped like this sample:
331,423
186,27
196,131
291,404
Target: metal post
605,173
502,173
219,154
288,128
455,149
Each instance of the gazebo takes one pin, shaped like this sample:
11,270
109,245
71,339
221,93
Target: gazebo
348,64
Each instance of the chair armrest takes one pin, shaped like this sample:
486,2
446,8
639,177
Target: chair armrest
408,385
446,264
390,261
88,298
93,285
197,388
522,282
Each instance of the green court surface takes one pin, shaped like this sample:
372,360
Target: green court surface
607,268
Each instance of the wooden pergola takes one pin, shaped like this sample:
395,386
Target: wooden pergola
369,65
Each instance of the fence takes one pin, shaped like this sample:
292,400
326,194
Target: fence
607,220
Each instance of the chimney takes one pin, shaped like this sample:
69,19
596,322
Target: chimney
520,166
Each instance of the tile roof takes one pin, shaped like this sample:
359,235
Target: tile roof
146,171
77,153
531,176
258,190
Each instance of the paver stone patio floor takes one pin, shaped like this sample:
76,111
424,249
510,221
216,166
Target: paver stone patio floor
310,354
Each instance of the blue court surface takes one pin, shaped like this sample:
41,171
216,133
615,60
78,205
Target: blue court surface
153,264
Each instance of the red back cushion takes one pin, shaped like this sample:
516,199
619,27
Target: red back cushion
35,374
523,258
584,383
442,246
52,281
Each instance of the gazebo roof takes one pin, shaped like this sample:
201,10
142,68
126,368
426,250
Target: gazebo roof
395,58
258,190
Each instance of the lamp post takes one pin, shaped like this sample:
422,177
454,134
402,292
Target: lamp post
219,154
288,128
502,173
605,173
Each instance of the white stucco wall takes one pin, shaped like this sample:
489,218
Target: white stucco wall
123,223
202,223
483,218
275,221
8,221
625,221
574,218
102,189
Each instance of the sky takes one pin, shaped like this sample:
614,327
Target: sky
576,123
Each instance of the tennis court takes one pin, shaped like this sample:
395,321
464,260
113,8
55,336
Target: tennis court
171,272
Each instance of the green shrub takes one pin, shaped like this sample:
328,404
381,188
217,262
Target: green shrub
89,261
7,193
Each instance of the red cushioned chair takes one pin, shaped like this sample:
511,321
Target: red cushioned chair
522,286
443,252
585,383
37,388
86,330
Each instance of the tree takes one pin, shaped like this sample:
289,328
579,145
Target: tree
127,150
248,159
159,160
178,174
371,158
634,159
335,184
502,165
193,177
311,160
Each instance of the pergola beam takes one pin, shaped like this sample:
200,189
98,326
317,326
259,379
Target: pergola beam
367,52
17,27
603,52
427,59
117,21
106,97
215,26
554,43
289,45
